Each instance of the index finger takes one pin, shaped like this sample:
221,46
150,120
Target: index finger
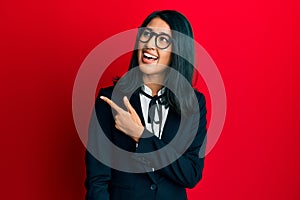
128,105
111,103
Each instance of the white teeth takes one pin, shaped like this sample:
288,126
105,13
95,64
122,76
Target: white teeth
147,55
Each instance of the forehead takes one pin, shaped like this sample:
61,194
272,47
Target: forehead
159,25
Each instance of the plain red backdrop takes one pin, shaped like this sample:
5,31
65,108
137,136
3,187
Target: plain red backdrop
254,44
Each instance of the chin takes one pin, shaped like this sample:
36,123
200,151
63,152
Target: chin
147,69
153,69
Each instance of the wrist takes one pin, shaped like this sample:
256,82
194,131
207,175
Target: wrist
139,132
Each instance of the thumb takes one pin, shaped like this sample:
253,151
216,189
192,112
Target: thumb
132,111
127,104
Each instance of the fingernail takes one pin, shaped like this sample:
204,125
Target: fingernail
125,98
101,97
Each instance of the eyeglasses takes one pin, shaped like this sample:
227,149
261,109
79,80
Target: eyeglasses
162,40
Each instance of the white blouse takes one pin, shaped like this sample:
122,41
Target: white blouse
145,106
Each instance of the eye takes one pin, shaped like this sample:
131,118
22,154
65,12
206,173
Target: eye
146,33
164,39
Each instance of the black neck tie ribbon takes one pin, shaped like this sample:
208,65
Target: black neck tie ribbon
153,105
156,103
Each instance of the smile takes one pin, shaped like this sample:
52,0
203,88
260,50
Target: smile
149,56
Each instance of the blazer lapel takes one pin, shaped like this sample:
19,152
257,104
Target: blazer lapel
171,126
136,104
172,121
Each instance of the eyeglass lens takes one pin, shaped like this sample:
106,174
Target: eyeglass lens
162,40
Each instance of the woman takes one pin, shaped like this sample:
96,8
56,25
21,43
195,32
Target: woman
153,111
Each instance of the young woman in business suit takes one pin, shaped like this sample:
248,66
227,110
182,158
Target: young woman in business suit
146,115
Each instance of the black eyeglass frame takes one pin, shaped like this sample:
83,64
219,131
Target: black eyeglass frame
152,33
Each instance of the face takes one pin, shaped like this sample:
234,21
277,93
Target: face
154,48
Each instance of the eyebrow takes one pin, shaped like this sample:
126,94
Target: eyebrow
159,32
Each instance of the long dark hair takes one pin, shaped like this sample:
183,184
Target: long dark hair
182,60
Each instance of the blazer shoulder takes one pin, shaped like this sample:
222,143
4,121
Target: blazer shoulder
200,97
106,91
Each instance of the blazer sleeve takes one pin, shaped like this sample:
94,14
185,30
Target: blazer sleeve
186,171
98,175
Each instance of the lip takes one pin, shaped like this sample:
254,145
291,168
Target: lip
149,52
146,60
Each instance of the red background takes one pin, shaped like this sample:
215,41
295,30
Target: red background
254,44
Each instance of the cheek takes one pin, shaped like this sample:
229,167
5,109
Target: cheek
166,58
140,46
139,54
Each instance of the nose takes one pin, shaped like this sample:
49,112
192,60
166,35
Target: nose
151,43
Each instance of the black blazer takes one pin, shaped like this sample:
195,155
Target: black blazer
105,183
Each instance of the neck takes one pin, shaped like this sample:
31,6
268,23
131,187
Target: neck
154,87
155,83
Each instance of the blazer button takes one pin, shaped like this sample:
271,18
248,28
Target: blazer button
153,187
